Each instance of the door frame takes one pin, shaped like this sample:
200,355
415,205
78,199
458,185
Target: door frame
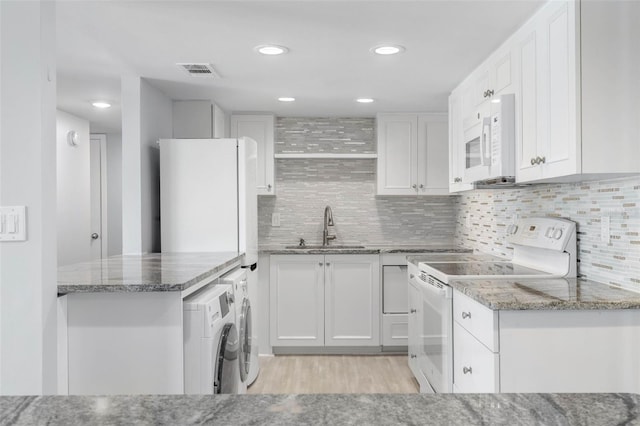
102,139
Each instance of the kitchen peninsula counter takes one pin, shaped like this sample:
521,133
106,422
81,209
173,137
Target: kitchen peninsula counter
155,272
329,409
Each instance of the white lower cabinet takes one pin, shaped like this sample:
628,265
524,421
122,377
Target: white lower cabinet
324,300
476,367
550,351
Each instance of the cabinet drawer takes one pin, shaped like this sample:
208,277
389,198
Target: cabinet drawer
395,329
475,367
477,319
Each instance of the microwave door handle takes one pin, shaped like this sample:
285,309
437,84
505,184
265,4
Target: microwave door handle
483,145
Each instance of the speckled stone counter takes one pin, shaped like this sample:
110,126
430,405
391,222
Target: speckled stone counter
547,294
365,250
143,273
333,409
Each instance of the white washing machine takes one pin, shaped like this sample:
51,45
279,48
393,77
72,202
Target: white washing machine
211,345
244,321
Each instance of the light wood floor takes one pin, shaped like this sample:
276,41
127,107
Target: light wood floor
334,374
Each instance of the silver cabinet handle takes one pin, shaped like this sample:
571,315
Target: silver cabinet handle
414,186
319,263
543,160
413,311
413,356
269,187
327,264
457,179
466,315
421,186
466,370
95,236
533,161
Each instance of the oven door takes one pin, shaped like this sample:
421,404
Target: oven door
435,350
477,148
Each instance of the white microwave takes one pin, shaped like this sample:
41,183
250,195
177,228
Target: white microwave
490,143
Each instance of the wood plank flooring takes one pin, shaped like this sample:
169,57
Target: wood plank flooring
334,374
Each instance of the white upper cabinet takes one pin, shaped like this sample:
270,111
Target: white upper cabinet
198,120
573,69
547,50
261,129
412,154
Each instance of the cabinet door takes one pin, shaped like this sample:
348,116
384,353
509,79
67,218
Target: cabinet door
456,145
433,170
559,147
475,367
397,154
502,73
352,300
261,129
297,300
547,144
413,328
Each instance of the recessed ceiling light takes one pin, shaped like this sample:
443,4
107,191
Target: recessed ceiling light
387,49
286,99
101,104
271,49
364,100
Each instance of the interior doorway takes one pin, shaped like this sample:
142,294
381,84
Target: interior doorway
99,243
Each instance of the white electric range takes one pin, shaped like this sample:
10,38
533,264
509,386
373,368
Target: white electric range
542,248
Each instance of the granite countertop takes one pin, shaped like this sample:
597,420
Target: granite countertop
547,294
328,409
367,249
145,272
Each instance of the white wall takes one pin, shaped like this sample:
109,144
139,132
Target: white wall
73,190
28,286
155,123
146,117
114,193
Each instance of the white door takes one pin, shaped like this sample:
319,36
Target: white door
297,300
98,196
433,147
352,300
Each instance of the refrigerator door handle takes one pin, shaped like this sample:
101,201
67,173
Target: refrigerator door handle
251,267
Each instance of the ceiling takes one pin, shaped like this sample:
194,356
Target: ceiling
328,66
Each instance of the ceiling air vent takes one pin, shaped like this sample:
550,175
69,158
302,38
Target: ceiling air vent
199,70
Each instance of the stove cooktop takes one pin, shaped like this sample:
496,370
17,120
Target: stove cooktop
479,270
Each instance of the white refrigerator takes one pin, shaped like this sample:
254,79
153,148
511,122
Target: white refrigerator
208,199
208,203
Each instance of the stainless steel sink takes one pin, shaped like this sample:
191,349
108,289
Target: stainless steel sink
332,247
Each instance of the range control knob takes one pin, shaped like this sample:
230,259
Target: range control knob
549,233
557,234
512,229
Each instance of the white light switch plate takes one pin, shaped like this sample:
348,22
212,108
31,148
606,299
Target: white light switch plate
13,223
275,219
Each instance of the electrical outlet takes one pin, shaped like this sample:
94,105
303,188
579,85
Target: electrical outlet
275,219
605,229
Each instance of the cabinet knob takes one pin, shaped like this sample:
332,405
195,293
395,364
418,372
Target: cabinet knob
319,263
457,180
413,311
413,356
269,187
95,236
533,161
466,370
421,186
327,264
411,276
543,160
466,315
414,186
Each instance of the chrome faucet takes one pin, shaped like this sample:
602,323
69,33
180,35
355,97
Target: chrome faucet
328,221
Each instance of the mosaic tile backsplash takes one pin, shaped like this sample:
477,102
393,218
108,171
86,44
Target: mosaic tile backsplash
300,135
483,217
305,186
